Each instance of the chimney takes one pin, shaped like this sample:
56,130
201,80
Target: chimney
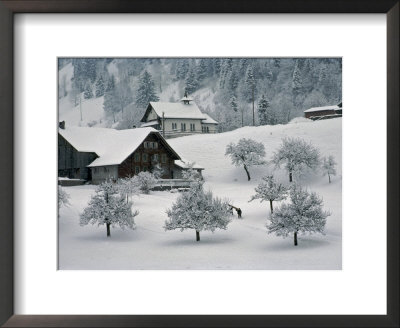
61,125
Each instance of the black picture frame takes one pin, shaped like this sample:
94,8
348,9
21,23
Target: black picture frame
10,7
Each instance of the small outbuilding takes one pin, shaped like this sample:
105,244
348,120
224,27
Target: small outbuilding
324,112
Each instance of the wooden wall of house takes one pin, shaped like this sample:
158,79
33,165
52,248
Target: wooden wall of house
132,165
72,163
319,113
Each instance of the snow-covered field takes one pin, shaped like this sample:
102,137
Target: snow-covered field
245,244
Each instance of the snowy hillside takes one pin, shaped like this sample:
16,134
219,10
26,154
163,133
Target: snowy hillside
245,244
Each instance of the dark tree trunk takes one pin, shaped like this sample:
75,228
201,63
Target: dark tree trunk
270,205
290,177
329,177
197,235
247,172
108,230
295,238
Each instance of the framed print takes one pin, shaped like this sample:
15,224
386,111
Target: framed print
168,138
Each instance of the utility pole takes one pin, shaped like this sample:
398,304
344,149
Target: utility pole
163,125
254,122
80,105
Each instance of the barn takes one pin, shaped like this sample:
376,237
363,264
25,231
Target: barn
324,112
99,154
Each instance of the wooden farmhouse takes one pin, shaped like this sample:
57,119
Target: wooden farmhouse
325,112
178,119
99,154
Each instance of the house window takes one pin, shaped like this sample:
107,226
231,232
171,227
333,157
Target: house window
137,157
183,126
163,158
144,158
137,169
174,126
155,145
155,158
146,144
144,169
207,129
192,127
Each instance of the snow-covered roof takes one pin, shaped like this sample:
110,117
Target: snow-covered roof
151,123
184,164
112,146
209,120
320,109
177,110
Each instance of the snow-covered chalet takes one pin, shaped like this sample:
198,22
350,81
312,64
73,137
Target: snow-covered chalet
99,154
324,112
178,119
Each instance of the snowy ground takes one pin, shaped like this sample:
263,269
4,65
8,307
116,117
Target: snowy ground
244,245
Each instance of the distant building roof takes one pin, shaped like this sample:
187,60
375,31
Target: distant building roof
112,146
151,123
209,120
320,109
176,110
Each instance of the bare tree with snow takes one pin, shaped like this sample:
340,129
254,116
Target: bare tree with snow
127,187
108,207
144,181
304,214
328,166
269,190
63,197
296,153
199,210
246,153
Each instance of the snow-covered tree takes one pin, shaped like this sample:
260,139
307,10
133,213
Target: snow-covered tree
233,103
63,197
198,210
146,90
246,153
127,187
157,171
100,87
88,93
201,70
264,115
297,82
145,181
191,82
296,153
328,166
111,103
191,174
304,214
108,207
269,190
110,83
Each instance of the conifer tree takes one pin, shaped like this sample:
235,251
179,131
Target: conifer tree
100,88
110,83
269,190
146,90
263,115
233,103
201,70
297,82
88,93
107,207
191,83
303,214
